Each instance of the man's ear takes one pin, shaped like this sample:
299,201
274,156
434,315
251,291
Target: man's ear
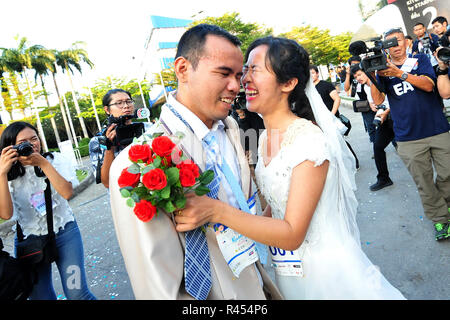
289,85
181,66
106,110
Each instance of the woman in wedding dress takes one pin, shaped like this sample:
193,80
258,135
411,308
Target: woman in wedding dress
306,174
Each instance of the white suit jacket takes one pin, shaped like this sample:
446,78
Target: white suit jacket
154,251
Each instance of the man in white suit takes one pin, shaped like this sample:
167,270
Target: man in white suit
208,66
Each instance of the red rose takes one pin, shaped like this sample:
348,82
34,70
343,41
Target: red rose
187,177
191,166
155,179
162,146
140,152
144,210
128,179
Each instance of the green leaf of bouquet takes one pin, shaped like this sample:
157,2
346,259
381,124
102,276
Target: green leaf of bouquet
125,193
173,175
169,207
141,191
157,134
201,190
134,169
165,193
180,203
147,169
135,197
130,203
206,177
180,135
157,162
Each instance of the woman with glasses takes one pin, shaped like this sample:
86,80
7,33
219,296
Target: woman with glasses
116,103
22,185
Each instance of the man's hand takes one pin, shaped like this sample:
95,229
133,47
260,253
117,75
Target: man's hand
390,71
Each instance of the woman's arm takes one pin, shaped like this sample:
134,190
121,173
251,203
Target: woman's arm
307,183
336,101
7,159
106,165
61,185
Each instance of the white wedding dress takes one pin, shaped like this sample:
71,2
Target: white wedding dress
334,265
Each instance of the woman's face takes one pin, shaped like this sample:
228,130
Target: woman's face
262,89
120,104
31,136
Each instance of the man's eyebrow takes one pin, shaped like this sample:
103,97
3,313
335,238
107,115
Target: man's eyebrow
228,69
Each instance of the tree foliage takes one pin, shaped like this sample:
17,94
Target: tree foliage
322,47
245,32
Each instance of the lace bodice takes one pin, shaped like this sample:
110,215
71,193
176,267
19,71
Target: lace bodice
302,141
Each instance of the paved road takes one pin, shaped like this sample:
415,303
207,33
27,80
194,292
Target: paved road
395,234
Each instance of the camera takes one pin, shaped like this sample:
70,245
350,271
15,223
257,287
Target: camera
444,53
377,118
240,102
373,59
125,133
24,149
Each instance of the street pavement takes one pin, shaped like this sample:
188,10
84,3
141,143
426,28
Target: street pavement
395,234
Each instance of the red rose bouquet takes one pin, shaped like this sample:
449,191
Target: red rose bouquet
159,177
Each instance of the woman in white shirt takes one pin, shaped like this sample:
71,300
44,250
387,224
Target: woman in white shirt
22,182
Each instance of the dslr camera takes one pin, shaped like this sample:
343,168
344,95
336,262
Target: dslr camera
24,149
125,133
372,59
377,119
240,102
444,53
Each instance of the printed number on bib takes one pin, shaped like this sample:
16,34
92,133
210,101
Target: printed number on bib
286,263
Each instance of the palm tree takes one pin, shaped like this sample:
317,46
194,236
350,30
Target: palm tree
7,103
42,62
19,60
69,59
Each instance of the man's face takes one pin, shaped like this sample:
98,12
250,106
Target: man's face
400,50
314,75
214,84
419,31
361,77
439,28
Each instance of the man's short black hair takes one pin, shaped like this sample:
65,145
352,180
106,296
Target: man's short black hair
440,19
313,67
192,42
355,68
419,24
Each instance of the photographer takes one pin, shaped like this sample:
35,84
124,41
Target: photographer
23,174
350,84
104,147
420,127
250,123
384,133
442,70
425,43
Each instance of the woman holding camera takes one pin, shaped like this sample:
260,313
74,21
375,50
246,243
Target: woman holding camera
116,103
22,184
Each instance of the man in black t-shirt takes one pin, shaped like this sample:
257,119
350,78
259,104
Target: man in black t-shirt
327,91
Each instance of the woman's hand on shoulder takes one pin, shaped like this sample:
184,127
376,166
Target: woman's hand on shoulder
8,157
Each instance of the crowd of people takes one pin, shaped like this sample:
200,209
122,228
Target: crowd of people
305,217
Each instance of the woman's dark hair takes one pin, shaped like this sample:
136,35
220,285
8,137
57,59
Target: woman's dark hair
313,67
107,97
8,138
287,59
192,42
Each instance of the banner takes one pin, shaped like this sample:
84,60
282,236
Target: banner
424,11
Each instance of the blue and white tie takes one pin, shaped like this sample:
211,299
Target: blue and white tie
197,269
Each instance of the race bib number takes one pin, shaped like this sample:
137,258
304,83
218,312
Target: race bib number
238,250
286,263
37,200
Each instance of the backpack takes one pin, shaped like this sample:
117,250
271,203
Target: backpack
16,279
